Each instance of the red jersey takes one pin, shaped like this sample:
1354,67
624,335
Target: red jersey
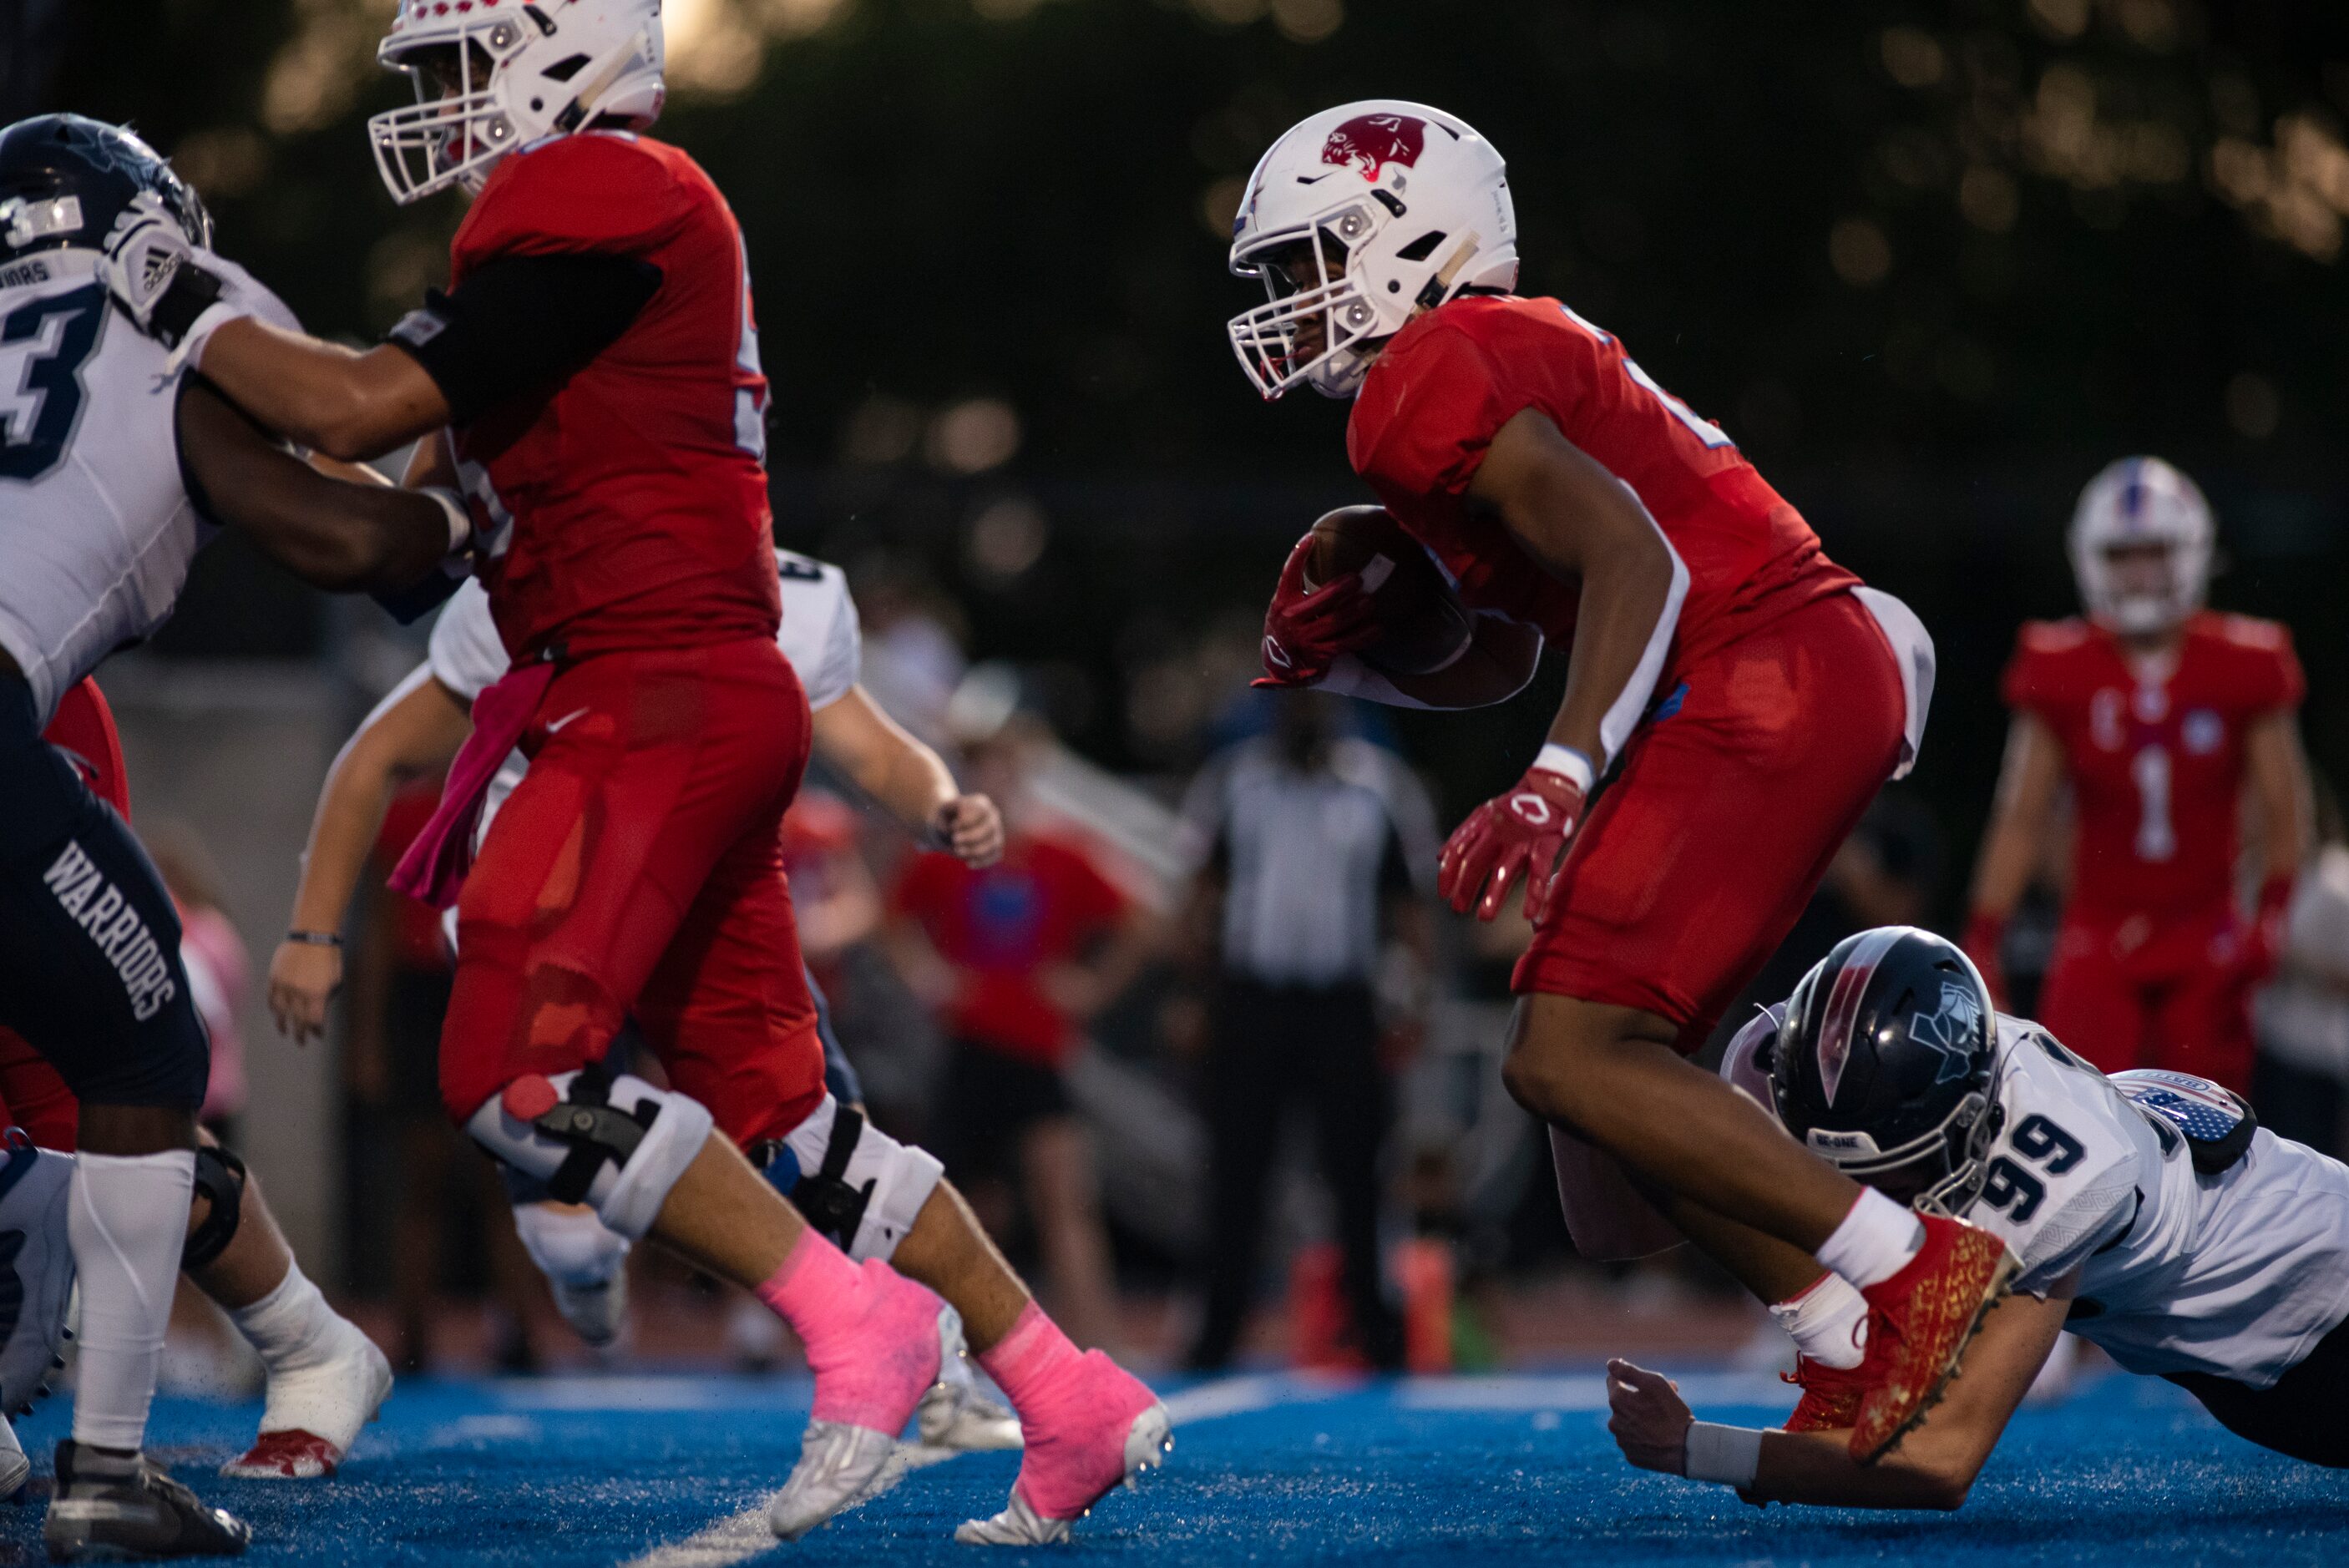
1446,383
1002,928
637,490
2156,763
83,729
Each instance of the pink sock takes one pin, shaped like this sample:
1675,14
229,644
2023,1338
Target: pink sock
1075,1410
871,1335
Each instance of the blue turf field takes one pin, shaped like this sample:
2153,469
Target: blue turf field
1267,1470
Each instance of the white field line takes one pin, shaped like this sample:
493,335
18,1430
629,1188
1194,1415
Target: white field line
745,1534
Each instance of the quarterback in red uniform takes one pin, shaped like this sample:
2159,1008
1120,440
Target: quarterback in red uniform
1733,701
594,367
2162,716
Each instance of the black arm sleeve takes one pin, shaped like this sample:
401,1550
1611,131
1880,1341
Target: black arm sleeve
521,323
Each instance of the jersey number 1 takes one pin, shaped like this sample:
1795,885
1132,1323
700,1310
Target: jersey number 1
2156,839
54,335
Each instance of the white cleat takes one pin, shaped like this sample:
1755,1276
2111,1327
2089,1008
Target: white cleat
313,1413
1147,1443
13,1466
838,1465
598,1312
953,1414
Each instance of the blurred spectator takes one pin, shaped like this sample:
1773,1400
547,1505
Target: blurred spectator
219,968
834,901
913,644
438,1188
1311,849
1017,959
2301,1083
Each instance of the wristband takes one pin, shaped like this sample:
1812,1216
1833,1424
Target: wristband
1730,1455
314,938
1569,764
461,519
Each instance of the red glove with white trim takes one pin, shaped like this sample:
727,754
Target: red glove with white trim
1521,833
1304,631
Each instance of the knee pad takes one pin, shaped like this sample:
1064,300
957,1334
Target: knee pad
613,1142
570,1246
850,1181
220,1176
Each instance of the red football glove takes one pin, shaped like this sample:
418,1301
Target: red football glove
1304,632
2263,943
1984,933
1522,832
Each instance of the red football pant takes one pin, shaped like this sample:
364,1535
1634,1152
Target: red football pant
638,869
1700,853
2154,993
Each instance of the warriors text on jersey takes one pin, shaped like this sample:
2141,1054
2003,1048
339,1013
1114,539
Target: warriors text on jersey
2155,758
628,506
1443,388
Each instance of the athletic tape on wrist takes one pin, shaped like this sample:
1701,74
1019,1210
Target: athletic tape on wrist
461,520
1567,763
1729,1455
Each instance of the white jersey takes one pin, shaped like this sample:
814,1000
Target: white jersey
820,636
2237,1273
100,528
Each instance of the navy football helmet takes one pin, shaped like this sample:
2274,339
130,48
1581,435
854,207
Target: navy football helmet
1886,1067
64,180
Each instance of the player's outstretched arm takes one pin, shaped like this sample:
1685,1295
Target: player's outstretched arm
417,728
2029,782
1934,1466
331,533
350,404
911,781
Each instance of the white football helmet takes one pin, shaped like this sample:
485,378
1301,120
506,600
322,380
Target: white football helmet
1356,220
2134,502
492,74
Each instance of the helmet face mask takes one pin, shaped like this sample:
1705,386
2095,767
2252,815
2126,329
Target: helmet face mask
1886,1065
2141,542
1387,209
488,82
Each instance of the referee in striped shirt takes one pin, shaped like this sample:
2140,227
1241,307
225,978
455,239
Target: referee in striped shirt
1313,848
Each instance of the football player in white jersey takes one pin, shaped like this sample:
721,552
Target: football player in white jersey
2150,1212
419,727
115,470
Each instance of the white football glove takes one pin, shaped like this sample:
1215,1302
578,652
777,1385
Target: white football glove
175,291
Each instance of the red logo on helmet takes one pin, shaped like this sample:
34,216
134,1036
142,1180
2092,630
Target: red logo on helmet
1368,142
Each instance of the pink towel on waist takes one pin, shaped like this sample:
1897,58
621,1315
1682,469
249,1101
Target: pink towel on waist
434,866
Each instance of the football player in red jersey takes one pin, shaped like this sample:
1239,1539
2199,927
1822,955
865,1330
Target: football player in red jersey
1733,701
594,367
2162,716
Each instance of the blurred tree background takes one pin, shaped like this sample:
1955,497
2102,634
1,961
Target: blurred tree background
1931,264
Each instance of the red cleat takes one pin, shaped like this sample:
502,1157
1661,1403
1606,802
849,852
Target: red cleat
1831,1396
295,1455
1918,1323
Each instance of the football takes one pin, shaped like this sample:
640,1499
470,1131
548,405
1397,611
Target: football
1425,625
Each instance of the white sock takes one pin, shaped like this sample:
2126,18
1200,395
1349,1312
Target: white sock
1829,1320
292,1325
1874,1242
126,1217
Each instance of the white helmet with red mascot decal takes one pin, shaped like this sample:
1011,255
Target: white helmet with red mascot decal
1358,219
494,74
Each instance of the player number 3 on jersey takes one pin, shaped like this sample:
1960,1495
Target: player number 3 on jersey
43,343
2016,1190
